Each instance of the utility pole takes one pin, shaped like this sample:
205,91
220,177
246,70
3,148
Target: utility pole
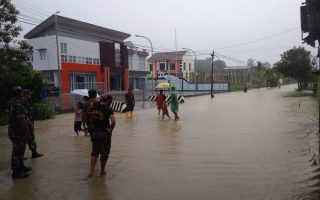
212,57
152,60
58,57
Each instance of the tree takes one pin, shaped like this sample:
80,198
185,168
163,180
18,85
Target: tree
295,63
271,76
250,62
14,67
204,68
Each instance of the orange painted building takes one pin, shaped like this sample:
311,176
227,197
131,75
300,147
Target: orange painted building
90,56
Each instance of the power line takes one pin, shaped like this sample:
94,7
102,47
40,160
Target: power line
30,17
257,40
30,20
30,12
32,8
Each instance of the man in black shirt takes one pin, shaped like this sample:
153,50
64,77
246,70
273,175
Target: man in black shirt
102,115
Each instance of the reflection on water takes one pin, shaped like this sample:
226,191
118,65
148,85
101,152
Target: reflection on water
255,145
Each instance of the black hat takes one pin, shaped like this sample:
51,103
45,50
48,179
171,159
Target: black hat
92,93
17,89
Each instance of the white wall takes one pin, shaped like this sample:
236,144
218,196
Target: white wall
188,58
48,43
137,63
75,47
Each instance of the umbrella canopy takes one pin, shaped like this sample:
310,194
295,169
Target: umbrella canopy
163,85
81,92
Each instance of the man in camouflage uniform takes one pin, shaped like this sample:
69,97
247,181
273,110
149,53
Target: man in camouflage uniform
19,133
30,119
87,111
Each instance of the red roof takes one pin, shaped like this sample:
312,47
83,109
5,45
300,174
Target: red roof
174,55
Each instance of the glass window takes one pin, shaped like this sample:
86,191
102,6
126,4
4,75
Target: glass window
42,54
151,68
189,66
180,65
172,66
96,61
64,58
88,60
72,59
117,54
184,66
162,65
63,47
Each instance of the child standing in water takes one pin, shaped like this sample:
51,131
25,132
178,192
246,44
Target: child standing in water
165,111
78,118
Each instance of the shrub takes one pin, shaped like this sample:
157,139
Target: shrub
43,111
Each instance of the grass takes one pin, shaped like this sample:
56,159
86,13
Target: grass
237,87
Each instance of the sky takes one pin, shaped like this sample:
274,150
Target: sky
237,29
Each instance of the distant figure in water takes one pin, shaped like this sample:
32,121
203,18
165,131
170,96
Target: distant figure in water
160,99
174,103
130,102
78,116
165,111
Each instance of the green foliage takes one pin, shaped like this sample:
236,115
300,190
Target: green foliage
8,20
205,65
272,77
43,111
236,87
14,67
295,63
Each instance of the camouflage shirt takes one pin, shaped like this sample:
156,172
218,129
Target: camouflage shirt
16,111
29,110
88,114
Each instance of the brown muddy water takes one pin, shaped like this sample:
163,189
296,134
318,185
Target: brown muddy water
255,145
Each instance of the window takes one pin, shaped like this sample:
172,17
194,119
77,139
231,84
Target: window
64,58
163,65
42,54
189,66
117,54
184,66
172,66
180,65
88,60
63,47
96,61
72,59
151,68
80,60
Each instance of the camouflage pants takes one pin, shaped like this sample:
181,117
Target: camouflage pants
18,147
32,144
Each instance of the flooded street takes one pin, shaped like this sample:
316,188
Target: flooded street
255,145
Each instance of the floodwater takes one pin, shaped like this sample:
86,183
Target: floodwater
255,145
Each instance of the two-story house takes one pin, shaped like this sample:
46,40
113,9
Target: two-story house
90,56
138,67
177,63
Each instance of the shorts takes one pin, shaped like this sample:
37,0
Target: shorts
77,126
101,143
130,108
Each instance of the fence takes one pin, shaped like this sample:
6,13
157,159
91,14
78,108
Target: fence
67,100
183,87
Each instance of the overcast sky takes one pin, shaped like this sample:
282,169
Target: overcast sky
258,29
